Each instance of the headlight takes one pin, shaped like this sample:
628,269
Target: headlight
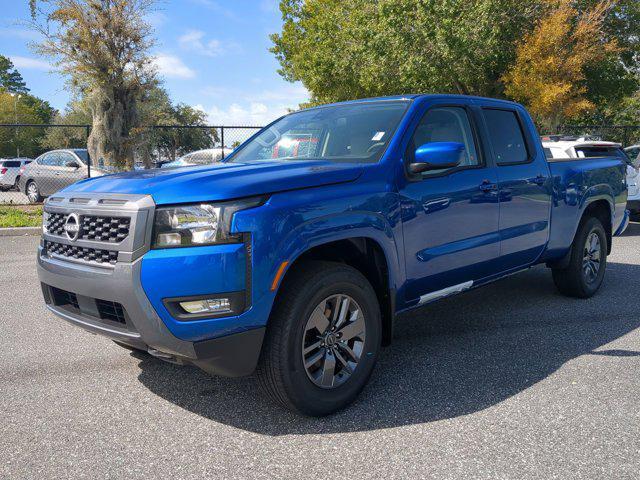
199,224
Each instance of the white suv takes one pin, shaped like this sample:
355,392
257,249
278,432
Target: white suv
633,179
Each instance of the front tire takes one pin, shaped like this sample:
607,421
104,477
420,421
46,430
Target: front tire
322,340
33,192
583,276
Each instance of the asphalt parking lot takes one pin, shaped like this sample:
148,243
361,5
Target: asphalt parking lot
508,381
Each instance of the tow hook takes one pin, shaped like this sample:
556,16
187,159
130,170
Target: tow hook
167,357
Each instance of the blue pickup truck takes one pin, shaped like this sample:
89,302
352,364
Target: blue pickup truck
294,256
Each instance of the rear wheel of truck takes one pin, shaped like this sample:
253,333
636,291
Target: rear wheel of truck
584,274
322,340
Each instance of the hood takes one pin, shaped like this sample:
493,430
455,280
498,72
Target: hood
221,181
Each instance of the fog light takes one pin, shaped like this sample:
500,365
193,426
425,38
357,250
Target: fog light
169,239
207,305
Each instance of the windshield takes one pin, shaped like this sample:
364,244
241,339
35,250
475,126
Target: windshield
83,154
356,132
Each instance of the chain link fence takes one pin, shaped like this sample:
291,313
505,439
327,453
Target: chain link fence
38,160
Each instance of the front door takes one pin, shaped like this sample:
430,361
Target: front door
450,217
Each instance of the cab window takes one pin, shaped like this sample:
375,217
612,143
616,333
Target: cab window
445,124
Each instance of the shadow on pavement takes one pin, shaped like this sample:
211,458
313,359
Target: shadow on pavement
632,230
451,358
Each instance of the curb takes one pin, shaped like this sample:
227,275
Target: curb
20,231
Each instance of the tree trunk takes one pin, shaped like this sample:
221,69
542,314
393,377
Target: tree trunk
115,116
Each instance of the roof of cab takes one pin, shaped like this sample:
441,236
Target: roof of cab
413,96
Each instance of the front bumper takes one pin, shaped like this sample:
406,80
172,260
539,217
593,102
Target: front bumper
231,355
99,284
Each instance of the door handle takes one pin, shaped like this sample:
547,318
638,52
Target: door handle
487,186
539,180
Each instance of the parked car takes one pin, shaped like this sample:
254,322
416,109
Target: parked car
55,170
10,170
199,157
297,266
633,179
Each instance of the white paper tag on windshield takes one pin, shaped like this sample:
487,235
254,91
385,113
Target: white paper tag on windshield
377,137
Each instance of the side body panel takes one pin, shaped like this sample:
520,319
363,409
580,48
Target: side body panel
576,184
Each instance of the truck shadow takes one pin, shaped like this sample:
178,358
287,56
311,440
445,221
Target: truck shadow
451,358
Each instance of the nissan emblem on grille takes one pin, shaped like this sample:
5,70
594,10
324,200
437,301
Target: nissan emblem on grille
72,226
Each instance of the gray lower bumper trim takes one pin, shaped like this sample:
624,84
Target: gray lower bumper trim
232,355
92,326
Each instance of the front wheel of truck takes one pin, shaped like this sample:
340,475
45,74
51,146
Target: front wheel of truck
584,274
322,340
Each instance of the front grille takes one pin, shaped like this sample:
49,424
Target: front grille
92,227
112,311
86,254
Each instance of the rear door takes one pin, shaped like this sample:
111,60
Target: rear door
449,217
524,186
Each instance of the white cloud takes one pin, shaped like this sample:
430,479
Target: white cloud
252,108
194,40
28,63
157,19
171,66
252,114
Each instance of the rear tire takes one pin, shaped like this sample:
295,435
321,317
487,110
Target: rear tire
584,275
33,192
308,323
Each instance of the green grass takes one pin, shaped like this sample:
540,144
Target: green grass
22,216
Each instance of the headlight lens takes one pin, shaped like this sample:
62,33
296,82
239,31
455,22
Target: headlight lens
199,224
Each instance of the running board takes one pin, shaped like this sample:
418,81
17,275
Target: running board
445,292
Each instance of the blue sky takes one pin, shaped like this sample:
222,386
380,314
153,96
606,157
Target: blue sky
212,54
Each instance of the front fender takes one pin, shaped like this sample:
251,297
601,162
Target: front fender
290,224
332,228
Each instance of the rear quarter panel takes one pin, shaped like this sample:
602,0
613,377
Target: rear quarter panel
576,184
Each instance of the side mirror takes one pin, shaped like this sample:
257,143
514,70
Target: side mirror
72,164
436,156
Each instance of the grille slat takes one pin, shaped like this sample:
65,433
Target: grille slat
110,311
92,227
62,297
87,254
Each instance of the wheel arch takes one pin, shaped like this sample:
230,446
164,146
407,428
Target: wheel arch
367,255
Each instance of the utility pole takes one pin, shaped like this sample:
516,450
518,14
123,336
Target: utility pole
16,97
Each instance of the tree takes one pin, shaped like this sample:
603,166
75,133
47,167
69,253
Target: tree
103,45
76,113
10,78
345,49
550,71
175,142
22,108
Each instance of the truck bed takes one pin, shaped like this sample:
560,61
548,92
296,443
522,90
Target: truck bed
576,180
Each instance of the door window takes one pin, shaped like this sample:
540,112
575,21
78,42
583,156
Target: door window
445,124
65,158
506,136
